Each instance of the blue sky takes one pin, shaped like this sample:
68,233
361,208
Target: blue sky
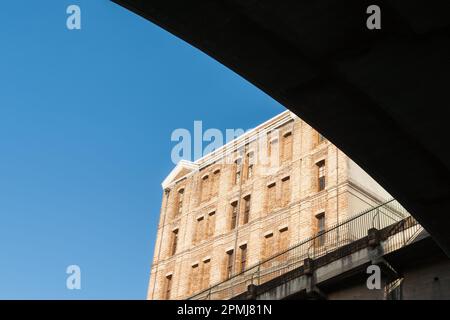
85,123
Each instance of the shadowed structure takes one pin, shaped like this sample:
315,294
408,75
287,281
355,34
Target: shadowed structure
379,95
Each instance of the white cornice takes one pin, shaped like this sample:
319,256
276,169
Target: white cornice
247,137
228,148
183,164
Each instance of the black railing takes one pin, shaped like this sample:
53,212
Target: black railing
390,214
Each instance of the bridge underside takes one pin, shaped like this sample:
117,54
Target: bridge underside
422,267
379,95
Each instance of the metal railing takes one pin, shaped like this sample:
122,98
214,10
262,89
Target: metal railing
390,214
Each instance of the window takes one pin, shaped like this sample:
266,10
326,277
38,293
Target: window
243,257
230,262
247,201
234,214
199,230
268,246
271,197
206,273
205,188
168,287
287,147
320,226
237,174
193,286
211,224
174,242
215,184
284,240
250,164
283,243
285,191
273,152
180,201
321,175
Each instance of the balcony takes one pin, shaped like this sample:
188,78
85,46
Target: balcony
396,229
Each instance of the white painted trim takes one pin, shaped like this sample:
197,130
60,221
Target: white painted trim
317,212
251,150
183,164
229,147
245,195
234,199
268,233
271,183
247,137
229,249
206,174
238,159
322,158
272,139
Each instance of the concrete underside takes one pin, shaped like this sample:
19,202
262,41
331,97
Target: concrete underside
380,96
424,268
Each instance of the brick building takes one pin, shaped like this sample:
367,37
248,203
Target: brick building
259,194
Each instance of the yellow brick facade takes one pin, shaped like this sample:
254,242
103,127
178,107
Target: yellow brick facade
275,187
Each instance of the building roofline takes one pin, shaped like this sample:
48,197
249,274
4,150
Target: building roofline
183,164
248,136
229,147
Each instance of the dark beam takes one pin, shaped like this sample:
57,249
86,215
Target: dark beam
380,96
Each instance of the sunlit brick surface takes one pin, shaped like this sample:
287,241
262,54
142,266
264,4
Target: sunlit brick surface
284,205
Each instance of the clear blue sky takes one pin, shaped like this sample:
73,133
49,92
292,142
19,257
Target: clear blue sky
85,124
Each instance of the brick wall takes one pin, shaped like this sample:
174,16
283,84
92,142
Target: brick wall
292,217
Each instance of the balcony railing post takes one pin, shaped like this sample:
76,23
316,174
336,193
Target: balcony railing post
337,236
373,236
379,219
259,275
403,233
208,296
